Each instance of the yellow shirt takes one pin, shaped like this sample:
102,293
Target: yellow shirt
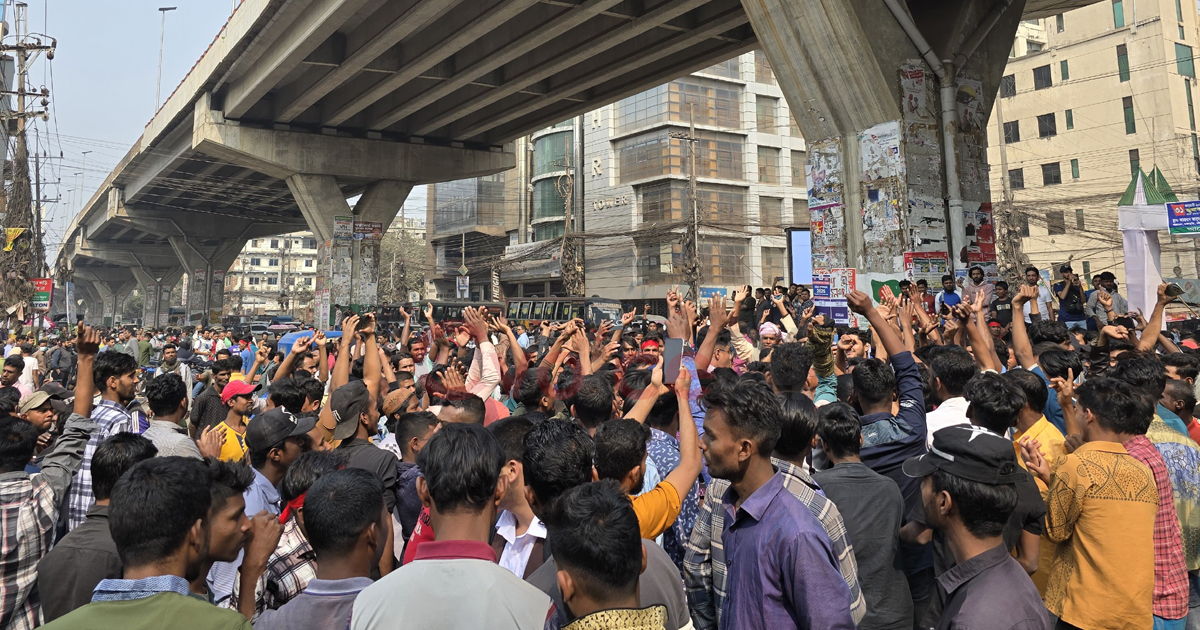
1100,509
657,510
1052,445
234,448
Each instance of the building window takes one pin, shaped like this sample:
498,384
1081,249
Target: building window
762,68
794,127
547,202
1023,229
1032,47
800,214
774,264
1135,161
768,165
657,262
765,108
1008,85
1118,14
1055,223
274,243
1183,61
1051,174
1123,62
547,231
1130,123
254,281
667,203
1016,178
1075,169
730,69
1058,23
255,262
1079,224
770,215
1047,126
1012,131
1087,268
1070,116
308,281
273,281
273,262
722,261
1187,89
1063,70
712,102
310,243
799,159
254,243
551,153
655,154
308,262
1178,12
1041,78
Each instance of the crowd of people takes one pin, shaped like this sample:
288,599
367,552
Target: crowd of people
952,464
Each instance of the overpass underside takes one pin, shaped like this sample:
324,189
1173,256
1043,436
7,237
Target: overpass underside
301,104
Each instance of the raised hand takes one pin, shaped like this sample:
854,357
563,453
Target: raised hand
368,329
349,325
475,323
1163,298
859,302
627,318
502,324
428,311
462,335
741,294
718,317
1034,462
318,339
211,441
1025,294
452,376
1105,299
87,340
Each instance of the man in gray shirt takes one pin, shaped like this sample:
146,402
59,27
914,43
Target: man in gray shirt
1099,309
167,397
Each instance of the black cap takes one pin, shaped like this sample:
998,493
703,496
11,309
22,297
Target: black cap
347,403
970,452
1108,275
272,427
1065,268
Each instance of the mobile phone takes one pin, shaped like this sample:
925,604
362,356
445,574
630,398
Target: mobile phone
672,359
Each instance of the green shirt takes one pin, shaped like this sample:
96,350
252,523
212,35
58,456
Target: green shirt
163,610
145,351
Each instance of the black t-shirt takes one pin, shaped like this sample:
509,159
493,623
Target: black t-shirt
1001,310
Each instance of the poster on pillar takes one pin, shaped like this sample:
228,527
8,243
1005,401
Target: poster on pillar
927,266
343,228
825,203
164,306
216,298
882,190
149,304
879,147
980,239
926,223
368,236
972,118
195,302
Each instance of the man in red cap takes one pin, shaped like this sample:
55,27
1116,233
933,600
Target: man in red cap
238,398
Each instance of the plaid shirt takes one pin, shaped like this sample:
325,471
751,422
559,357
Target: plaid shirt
29,507
1170,569
289,570
704,570
112,419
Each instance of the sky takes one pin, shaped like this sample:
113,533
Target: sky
102,83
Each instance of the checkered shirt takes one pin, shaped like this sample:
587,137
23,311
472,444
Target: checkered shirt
112,419
704,570
291,567
1170,568
29,507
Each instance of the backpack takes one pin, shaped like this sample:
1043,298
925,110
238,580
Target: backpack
1073,303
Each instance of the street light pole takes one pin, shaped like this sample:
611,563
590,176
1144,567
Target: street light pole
161,34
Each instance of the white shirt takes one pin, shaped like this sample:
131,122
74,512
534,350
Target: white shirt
26,377
948,414
1045,302
517,548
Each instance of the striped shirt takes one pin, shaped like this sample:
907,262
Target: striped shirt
112,419
29,507
704,569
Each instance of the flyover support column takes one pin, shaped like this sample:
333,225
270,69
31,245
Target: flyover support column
348,239
894,108
156,285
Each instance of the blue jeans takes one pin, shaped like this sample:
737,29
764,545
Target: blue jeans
1169,624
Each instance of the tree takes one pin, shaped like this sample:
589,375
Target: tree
401,266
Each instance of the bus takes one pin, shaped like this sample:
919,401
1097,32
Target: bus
591,310
443,312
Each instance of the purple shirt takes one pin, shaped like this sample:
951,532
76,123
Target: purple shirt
782,570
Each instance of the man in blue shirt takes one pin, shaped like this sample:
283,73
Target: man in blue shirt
779,563
1072,303
246,355
948,296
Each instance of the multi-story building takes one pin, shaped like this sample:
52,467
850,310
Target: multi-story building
273,276
622,176
1089,97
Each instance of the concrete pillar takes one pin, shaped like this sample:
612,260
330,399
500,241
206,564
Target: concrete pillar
206,268
870,104
348,238
154,283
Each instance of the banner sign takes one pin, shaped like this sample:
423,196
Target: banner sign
1183,217
43,288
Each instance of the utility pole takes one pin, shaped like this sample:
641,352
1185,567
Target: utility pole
691,235
1011,253
40,264
568,261
162,31
27,255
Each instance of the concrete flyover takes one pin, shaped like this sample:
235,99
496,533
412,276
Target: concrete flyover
298,105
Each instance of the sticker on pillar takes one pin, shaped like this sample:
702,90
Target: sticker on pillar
981,235
927,266
343,228
912,91
879,149
971,113
463,287
43,288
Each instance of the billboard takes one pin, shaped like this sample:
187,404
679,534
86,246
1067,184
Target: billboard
43,288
